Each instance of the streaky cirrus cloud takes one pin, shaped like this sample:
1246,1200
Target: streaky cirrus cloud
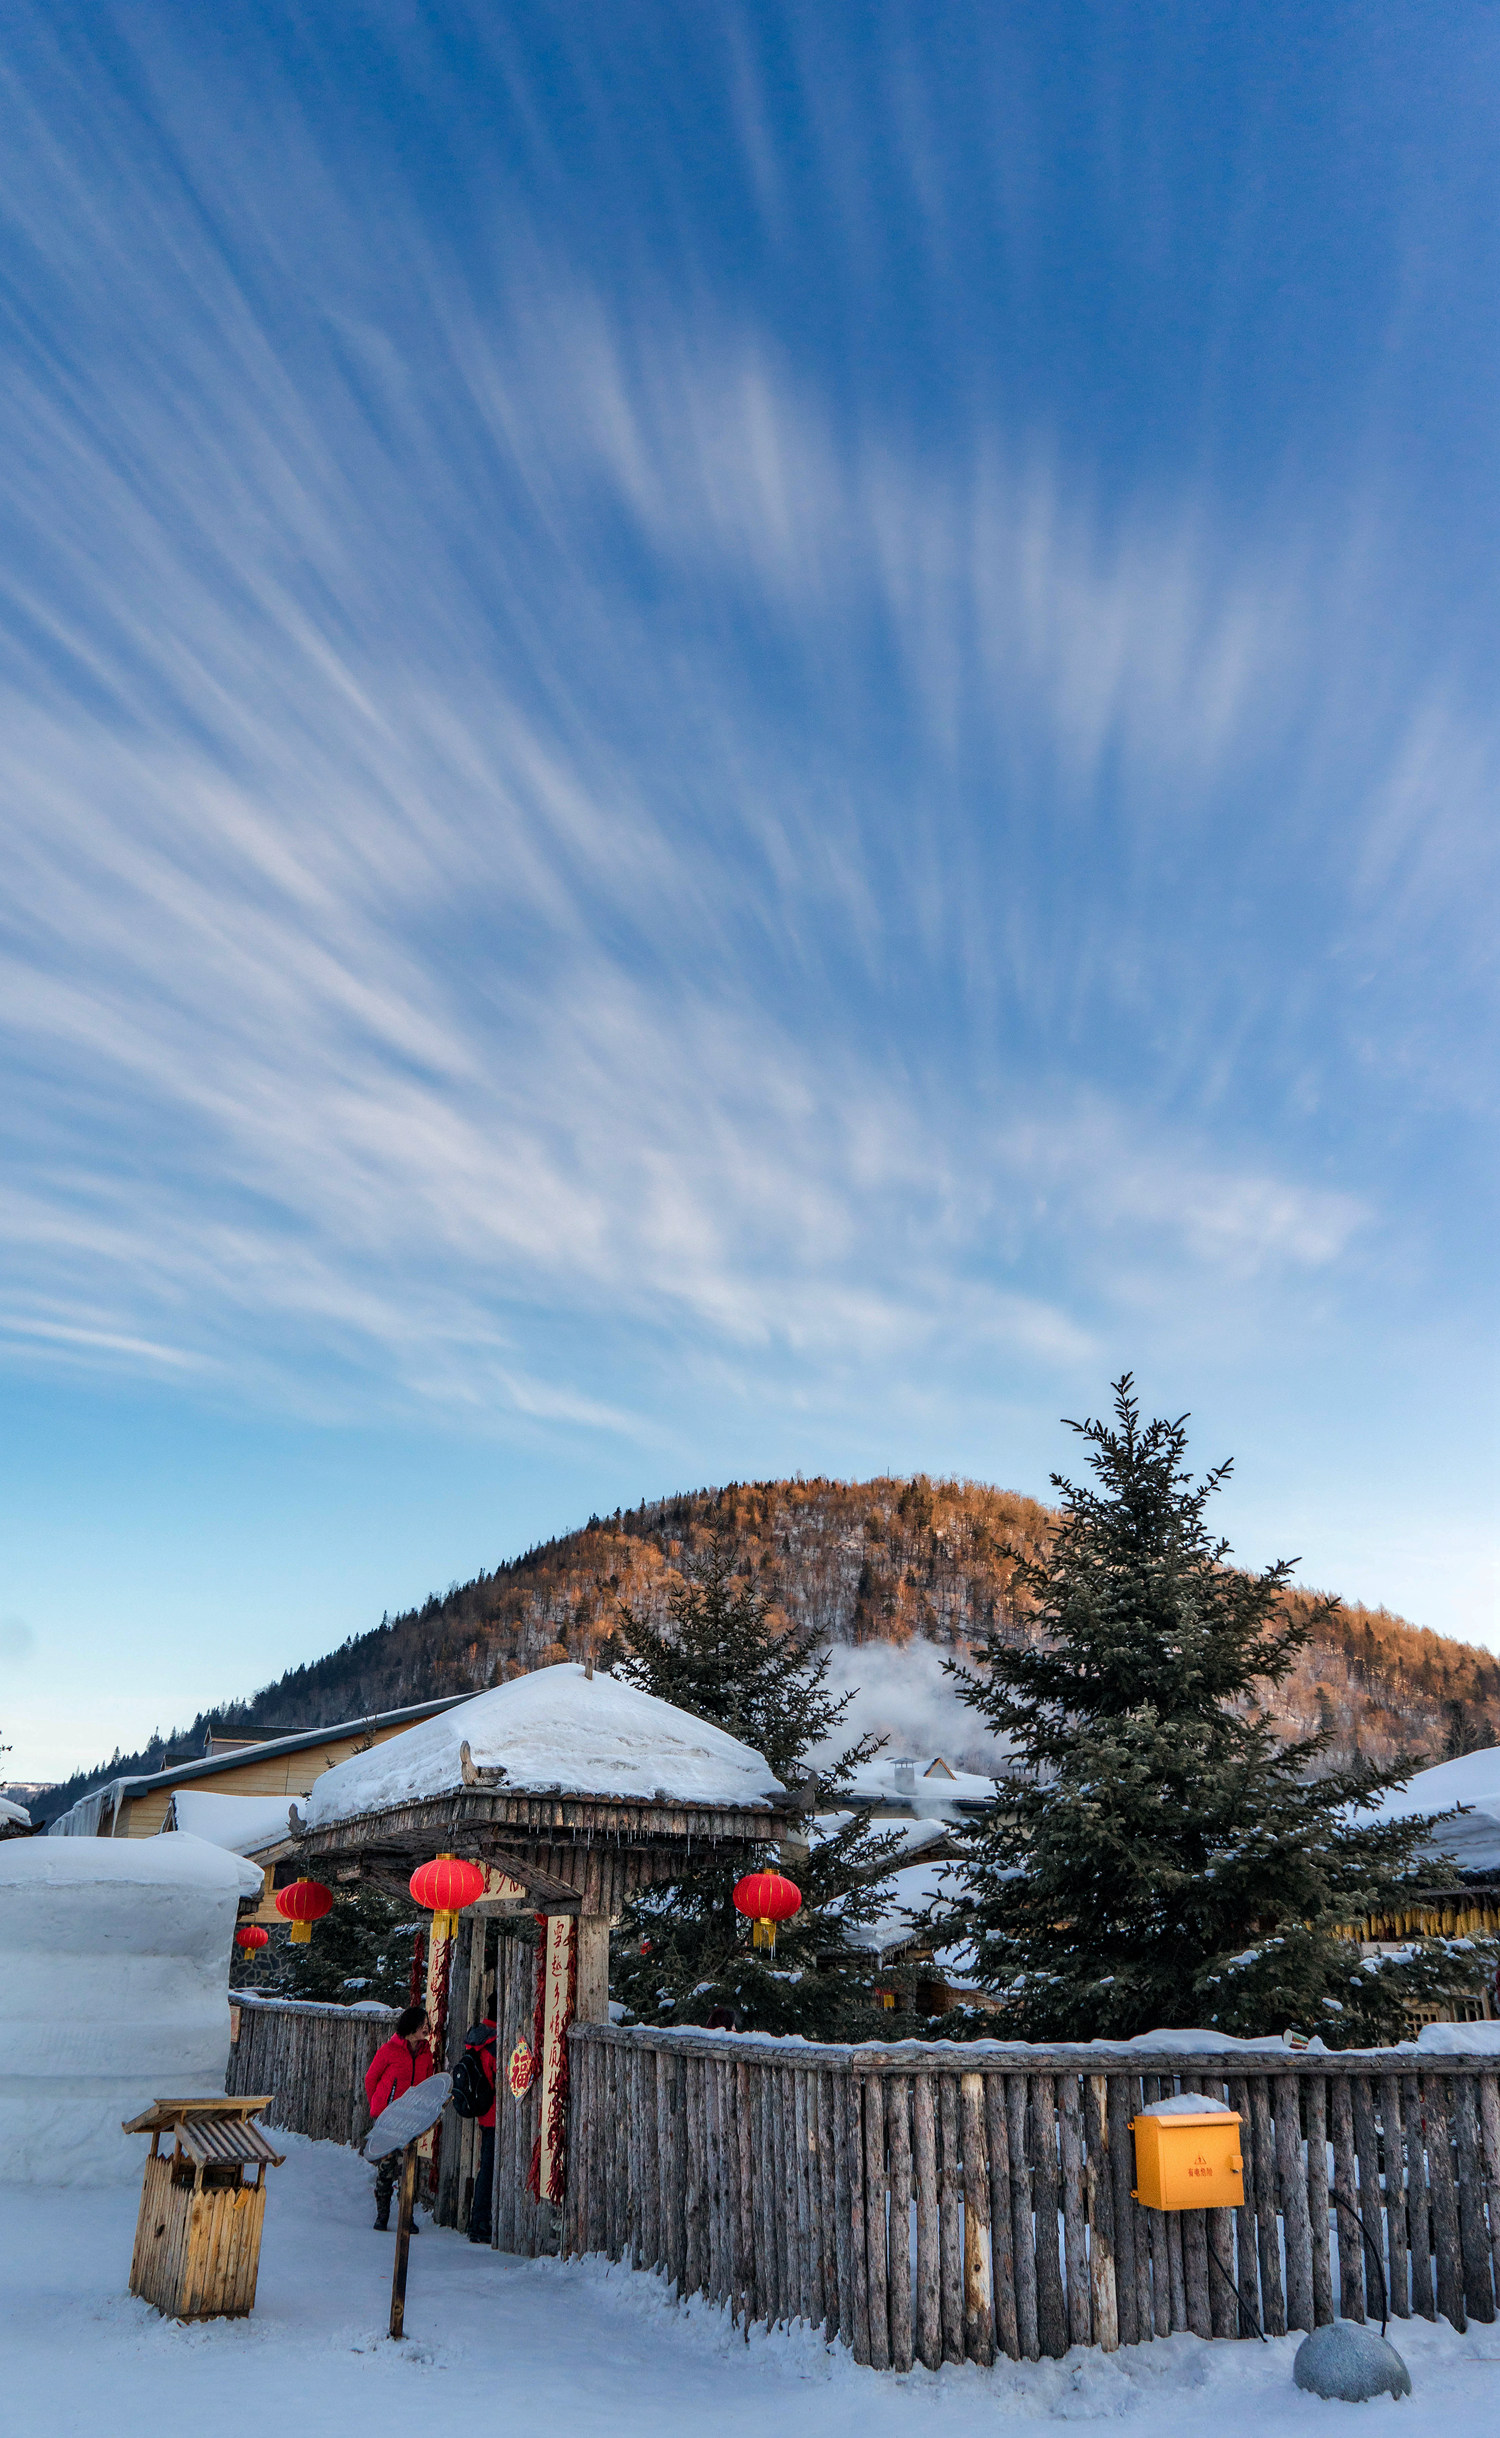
566,830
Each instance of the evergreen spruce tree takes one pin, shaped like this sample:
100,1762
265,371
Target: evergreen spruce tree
1160,1857
683,1954
360,1950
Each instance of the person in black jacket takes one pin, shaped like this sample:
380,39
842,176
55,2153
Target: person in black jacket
481,2040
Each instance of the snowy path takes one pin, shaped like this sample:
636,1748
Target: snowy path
499,2345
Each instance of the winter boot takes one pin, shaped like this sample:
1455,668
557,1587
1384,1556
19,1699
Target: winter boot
383,2219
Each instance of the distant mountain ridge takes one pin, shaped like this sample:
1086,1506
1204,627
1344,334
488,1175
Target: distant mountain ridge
851,1562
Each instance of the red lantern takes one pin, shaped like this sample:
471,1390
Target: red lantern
446,1886
767,1899
303,1903
250,1935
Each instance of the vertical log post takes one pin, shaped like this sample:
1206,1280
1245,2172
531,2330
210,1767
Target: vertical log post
1489,2137
1346,2192
1099,2215
898,2257
950,2221
1051,2304
1367,2152
1316,2090
1002,2224
1394,2144
1075,2243
876,2241
1473,2237
1292,2178
924,2160
1446,2246
1418,2199
1018,2125
979,2292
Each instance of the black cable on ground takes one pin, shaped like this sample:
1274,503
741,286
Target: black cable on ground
1245,2311
1373,2250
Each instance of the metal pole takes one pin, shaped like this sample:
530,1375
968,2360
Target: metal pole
403,2238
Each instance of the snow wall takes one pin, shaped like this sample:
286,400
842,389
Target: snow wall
114,1991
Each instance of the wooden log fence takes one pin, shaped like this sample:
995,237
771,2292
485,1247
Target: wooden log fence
931,2202
312,2059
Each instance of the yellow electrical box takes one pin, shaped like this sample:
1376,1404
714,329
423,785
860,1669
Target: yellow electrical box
1188,2162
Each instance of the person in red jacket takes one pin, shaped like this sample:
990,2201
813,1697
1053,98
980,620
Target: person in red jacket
403,2059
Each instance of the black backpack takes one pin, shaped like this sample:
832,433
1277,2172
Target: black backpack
473,2091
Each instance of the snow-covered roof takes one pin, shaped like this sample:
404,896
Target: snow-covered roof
242,1824
944,1796
915,1835
909,1893
1473,1842
124,1862
556,1731
87,1816
13,1815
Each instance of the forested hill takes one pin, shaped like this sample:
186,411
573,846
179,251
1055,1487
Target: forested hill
852,1561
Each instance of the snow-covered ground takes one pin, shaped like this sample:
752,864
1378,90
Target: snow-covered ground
569,2347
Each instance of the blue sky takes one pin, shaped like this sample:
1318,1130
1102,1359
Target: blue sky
733,740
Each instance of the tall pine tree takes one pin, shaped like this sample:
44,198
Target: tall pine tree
1160,1858
683,1954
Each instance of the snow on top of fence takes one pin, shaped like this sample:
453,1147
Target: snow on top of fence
1179,2049
556,1731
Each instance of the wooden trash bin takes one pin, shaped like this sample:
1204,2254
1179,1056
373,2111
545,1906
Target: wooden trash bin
197,2239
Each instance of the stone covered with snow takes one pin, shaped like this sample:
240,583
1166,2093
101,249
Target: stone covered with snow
1474,1778
906,1899
114,1991
557,1731
1349,2365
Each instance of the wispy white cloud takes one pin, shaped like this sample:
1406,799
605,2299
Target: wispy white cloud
459,877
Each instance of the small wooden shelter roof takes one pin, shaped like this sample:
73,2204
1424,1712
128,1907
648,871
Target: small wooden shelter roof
211,2132
636,1787
571,1855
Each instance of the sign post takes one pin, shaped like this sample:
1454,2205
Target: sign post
403,2239
400,2127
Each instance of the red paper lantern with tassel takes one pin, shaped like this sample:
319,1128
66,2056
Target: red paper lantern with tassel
303,1903
446,1886
251,1935
767,1899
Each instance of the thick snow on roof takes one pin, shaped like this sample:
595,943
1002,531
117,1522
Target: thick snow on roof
909,1892
915,1835
555,1731
13,1815
940,1796
1473,1842
242,1824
